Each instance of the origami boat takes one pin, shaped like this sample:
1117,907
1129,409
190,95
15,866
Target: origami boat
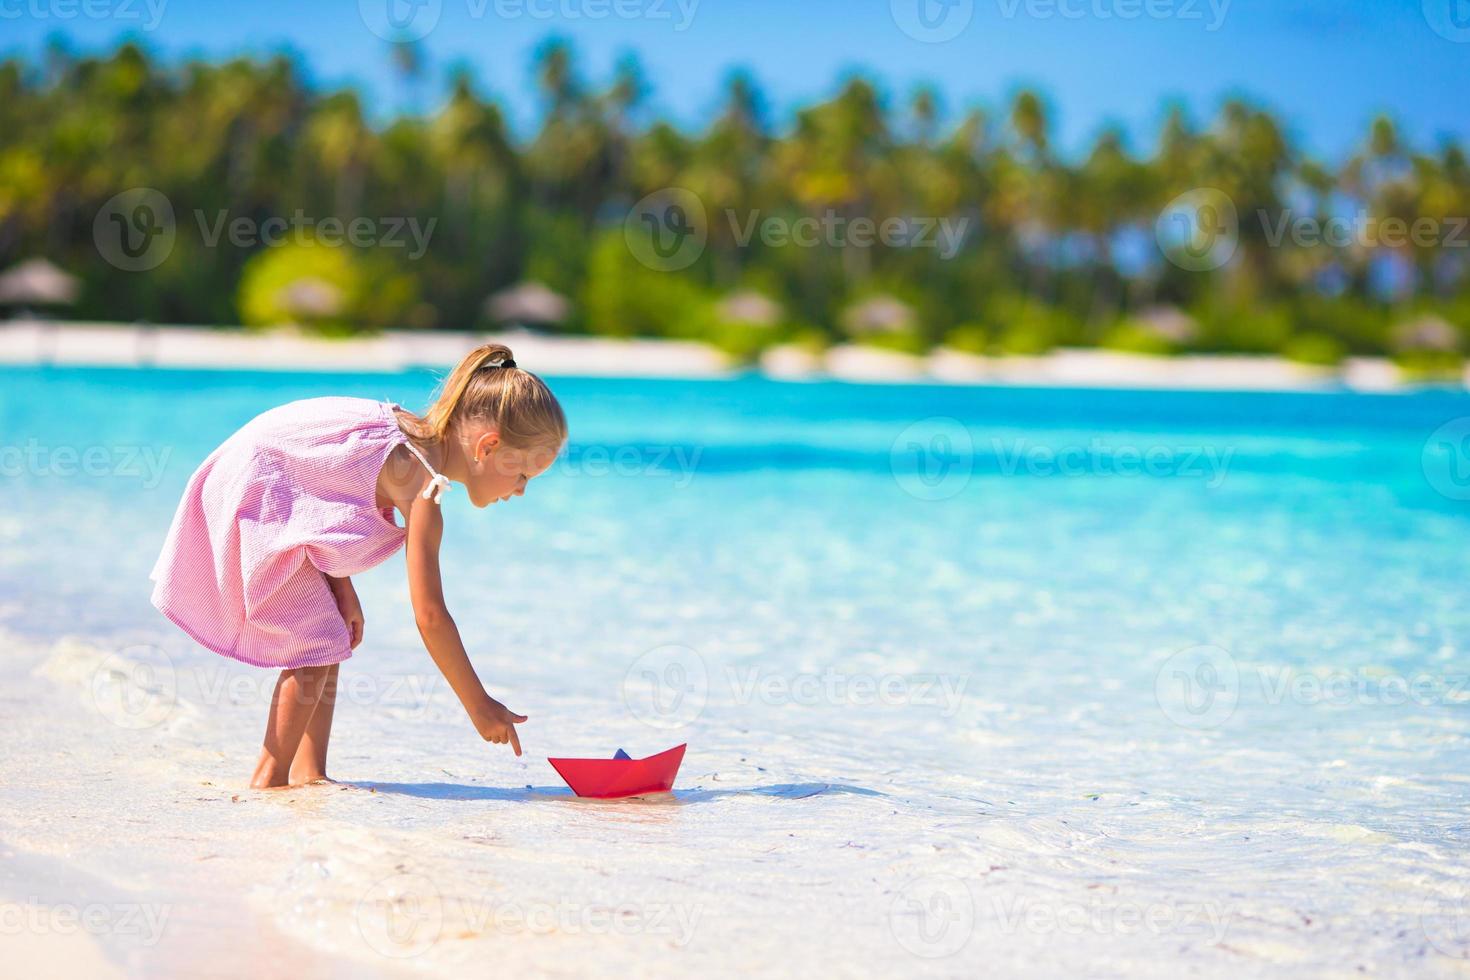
621,776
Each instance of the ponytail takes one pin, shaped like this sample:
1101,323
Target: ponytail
487,385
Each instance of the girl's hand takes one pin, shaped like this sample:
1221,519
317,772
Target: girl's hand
349,606
497,723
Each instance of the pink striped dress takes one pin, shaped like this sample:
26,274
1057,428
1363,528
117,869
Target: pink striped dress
289,497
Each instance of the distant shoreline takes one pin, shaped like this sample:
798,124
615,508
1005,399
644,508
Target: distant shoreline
33,342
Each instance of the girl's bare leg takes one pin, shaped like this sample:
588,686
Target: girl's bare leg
297,693
310,763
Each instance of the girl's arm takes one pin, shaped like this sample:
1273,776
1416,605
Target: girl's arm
495,722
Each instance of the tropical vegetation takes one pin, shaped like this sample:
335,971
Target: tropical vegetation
1118,246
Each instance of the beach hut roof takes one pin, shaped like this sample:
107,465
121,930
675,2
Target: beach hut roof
1426,333
528,302
1169,323
38,282
879,314
311,297
751,307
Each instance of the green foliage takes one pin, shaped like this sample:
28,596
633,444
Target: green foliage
970,338
1431,365
1028,328
1135,337
1242,329
252,139
1314,348
743,341
624,298
903,341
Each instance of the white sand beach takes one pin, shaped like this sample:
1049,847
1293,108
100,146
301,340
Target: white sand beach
133,345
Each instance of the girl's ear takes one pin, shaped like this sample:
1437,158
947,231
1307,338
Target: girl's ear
486,444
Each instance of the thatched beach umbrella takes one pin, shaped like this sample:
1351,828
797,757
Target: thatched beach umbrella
1168,323
878,315
527,304
1426,334
749,308
311,298
37,282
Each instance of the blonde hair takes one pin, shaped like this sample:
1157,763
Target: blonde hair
487,385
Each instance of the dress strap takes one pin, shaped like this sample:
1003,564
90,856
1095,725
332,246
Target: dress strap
438,482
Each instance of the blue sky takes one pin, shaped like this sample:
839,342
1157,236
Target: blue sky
1327,66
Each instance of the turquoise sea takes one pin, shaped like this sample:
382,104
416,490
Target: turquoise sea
975,681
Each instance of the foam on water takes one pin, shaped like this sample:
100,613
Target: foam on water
1205,721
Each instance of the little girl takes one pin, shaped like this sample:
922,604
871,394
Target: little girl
258,563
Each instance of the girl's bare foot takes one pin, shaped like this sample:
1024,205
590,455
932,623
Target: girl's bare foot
310,779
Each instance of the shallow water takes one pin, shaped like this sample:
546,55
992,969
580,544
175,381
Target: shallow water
972,679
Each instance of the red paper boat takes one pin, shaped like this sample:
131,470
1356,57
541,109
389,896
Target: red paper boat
610,778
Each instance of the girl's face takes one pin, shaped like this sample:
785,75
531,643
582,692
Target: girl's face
496,472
